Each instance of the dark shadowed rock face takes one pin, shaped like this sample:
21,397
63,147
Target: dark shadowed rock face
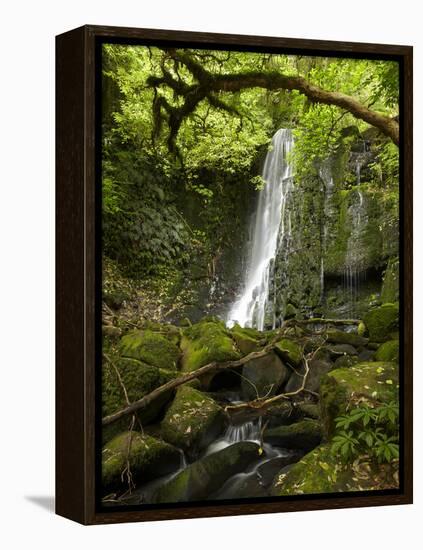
207,475
303,435
263,376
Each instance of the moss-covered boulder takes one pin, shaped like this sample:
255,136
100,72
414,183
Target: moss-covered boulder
139,379
345,361
322,472
247,339
388,351
390,286
263,376
382,322
192,421
304,435
204,477
146,456
373,382
317,370
206,342
150,347
339,337
289,351
342,349
309,410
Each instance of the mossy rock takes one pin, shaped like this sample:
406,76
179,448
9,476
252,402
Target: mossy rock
247,339
345,361
322,472
339,337
148,458
381,322
390,285
192,421
199,480
139,379
388,351
150,347
304,435
373,382
263,376
309,410
206,342
342,349
289,351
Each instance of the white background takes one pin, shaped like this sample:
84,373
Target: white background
27,271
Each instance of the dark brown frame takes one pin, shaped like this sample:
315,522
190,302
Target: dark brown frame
77,245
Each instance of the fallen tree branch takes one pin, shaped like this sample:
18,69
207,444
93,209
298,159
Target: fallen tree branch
173,384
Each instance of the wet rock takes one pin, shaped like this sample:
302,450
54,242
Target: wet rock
303,435
339,337
345,361
148,458
139,379
204,343
289,351
382,322
247,339
342,349
150,347
366,355
270,468
263,376
317,370
207,475
192,421
389,351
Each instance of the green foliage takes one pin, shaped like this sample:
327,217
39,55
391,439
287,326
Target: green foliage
366,430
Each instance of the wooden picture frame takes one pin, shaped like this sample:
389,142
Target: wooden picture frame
78,298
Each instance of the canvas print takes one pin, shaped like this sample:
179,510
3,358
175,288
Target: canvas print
250,275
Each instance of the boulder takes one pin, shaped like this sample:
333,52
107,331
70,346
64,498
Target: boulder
204,343
317,370
382,322
339,337
322,472
150,347
207,475
345,361
295,380
309,410
192,421
342,349
373,382
366,355
303,435
139,379
263,376
247,339
388,351
289,351
148,458
270,468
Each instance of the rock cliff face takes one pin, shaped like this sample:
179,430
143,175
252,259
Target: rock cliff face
340,253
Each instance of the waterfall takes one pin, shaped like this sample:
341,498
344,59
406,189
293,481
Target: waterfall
270,221
353,271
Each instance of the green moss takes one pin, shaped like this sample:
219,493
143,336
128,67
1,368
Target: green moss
340,337
390,284
382,321
289,351
304,435
139,379
199,480
206,342
373,382
389,351
150,347
246,339
192,421
147,457
322,472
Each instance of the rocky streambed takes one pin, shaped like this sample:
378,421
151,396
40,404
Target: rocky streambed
261,426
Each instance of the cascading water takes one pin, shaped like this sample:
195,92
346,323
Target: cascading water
270,222
353,271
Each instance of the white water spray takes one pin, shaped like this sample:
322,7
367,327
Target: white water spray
250,308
